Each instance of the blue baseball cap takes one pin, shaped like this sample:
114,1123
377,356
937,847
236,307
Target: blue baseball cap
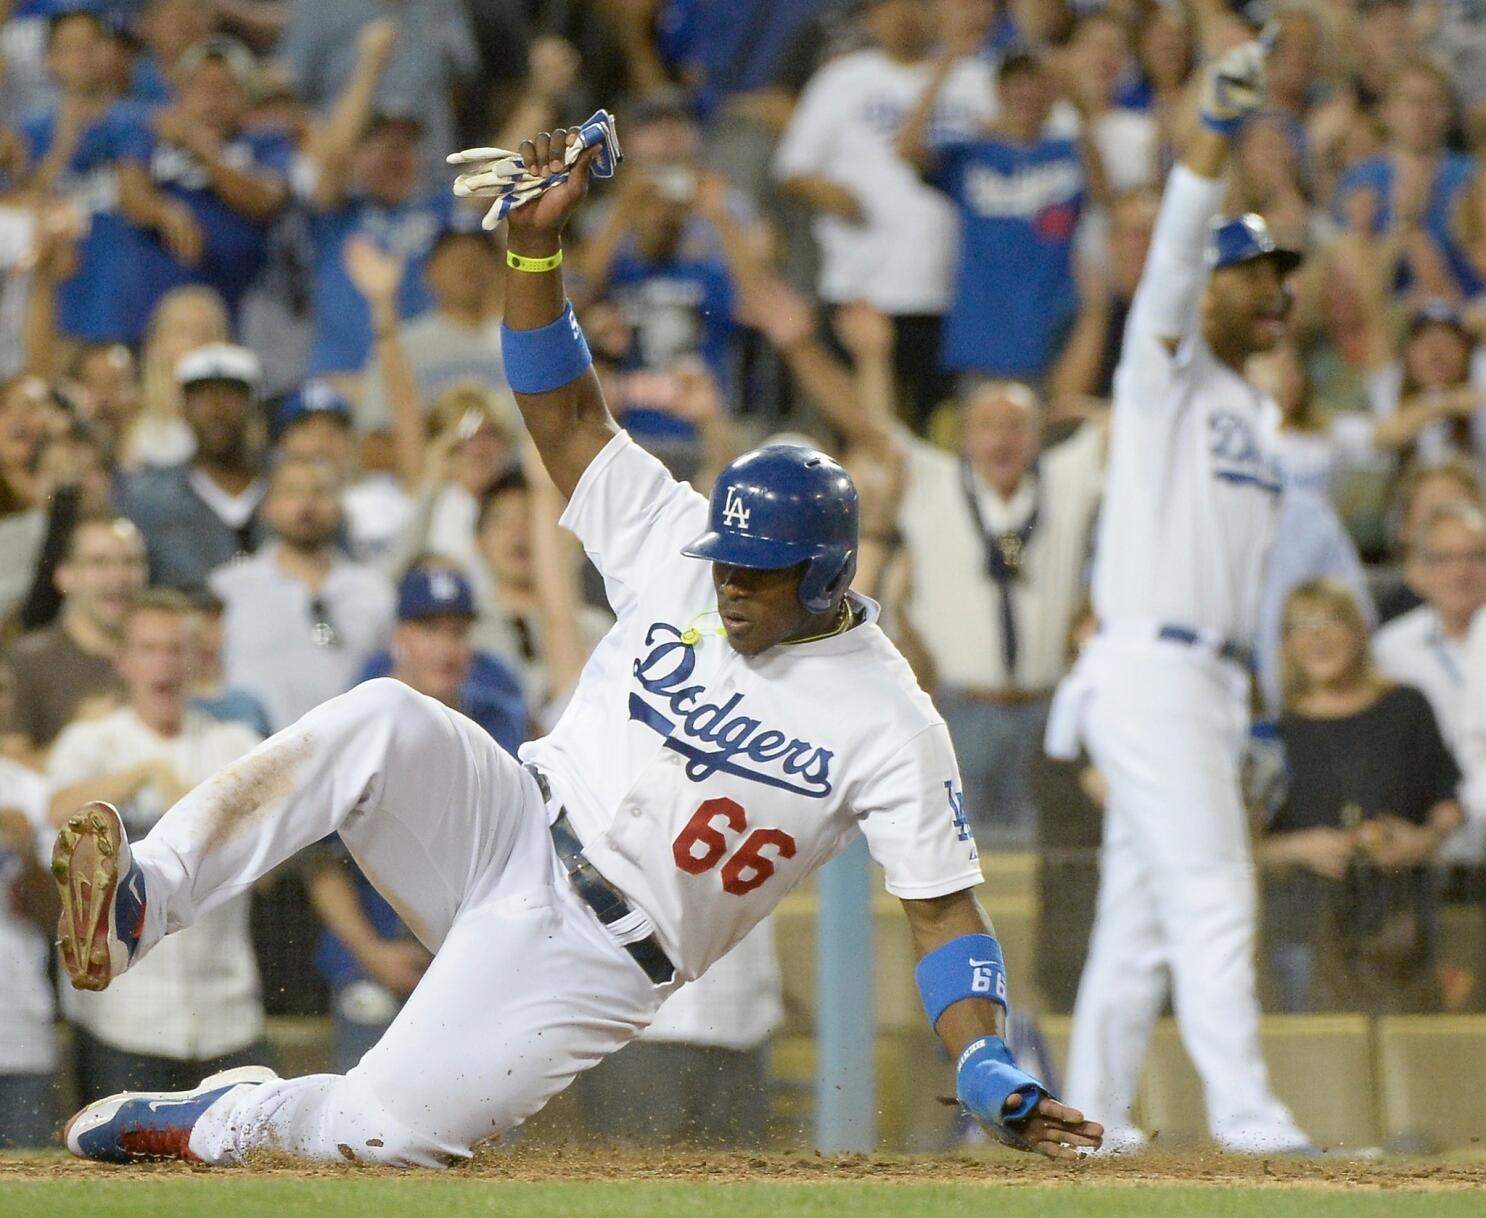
435,592
461,222
1235,240
314,397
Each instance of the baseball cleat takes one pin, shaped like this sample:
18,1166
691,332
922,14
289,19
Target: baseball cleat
103,898
136,1125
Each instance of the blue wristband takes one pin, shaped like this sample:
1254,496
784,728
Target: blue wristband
986,1078
968,967
539,361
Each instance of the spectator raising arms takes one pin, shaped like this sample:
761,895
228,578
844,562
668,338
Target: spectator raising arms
199,189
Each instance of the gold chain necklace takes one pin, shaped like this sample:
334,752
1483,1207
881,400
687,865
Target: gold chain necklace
848,619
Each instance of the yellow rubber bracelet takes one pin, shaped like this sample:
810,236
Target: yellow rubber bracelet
533,265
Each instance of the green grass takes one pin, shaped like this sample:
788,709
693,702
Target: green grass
237,1196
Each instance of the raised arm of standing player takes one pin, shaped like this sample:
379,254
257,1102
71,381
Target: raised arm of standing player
569,424
1167,300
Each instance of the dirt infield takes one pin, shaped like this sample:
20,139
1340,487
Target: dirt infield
590,1165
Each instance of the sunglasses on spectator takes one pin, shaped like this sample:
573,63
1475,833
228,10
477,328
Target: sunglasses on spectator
322,630
1314,623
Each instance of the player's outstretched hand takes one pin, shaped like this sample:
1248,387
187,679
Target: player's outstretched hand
1058,1131
543,155
1234,85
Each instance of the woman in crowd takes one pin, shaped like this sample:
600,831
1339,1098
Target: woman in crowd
1350,896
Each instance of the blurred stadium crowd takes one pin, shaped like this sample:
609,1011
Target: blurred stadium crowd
256,443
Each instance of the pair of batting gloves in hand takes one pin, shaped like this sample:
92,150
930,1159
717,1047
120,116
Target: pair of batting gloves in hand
1233,88
502,174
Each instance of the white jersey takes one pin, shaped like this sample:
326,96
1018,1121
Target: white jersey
706,784
1193,484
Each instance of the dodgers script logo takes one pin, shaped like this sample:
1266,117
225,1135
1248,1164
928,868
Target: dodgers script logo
1237,457
714,736
733,511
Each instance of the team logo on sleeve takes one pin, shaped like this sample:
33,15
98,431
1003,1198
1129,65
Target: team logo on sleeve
718,737
957,815
734,512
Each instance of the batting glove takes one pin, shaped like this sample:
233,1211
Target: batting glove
996,1091
502,174
1233,87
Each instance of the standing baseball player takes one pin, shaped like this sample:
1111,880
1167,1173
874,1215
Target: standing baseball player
1160,696
742,720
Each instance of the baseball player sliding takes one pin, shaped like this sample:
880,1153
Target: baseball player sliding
743,719
1160,695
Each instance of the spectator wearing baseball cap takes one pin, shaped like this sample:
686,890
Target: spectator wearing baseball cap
457,340
366,954
199,189
316,422
202,513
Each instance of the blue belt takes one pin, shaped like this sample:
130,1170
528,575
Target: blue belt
1188,637
606,901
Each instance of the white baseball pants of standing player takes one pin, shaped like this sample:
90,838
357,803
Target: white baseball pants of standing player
1165,726
527,987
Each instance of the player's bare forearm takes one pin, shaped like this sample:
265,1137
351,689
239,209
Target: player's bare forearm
934,923
1207,152
570,424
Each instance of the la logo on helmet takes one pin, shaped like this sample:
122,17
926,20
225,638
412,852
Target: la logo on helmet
733,512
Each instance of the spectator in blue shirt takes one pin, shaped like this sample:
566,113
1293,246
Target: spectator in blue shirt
73,151
199,189
1418,186
366,169
366,954
1020,193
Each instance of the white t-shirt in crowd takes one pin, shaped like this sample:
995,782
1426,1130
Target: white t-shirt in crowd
1414,650
26,1006
1470,748
707,784
195,995
955,607
902,257
273,646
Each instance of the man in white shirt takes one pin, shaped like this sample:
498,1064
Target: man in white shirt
193,1008
1160,696
301,618
999,540
28,1053
884,235
1426,647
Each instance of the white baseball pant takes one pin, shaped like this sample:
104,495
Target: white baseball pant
527,988
1165,725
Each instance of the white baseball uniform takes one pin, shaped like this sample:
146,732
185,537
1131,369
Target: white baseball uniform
703,783
1187,522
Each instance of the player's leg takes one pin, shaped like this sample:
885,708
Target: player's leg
527,991
415,790
1123,985
1176,733
1208,910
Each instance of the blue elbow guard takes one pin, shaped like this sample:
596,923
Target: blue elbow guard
995,1090
968,967
539,361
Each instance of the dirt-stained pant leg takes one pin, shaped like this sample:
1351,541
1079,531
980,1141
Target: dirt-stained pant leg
424,800
527,988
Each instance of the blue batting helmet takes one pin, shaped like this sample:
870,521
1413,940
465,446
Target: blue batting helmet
779,506
1238,239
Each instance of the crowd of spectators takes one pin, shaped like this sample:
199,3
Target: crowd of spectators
256,442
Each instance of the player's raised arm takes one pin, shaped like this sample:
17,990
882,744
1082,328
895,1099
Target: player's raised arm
547,359
1167,300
